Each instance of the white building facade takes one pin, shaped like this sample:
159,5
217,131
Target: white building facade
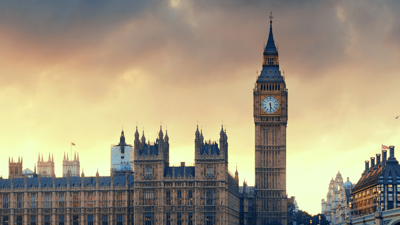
335,207
121,156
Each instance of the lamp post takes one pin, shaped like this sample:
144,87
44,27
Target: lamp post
378,199
350,209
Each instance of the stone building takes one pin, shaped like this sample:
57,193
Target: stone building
45,168
335,207
72,166
380,181
14,167
270,119
155,192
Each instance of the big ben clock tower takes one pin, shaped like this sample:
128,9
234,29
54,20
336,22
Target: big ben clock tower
270,119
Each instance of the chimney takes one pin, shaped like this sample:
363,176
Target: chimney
384,156
366,165
182,164
378,159
372,162
391,152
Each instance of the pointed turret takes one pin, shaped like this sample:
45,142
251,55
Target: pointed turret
166,136
136,134
52,157
160,134
270,71
122,139
77,157
42,157
270,48
64,157
143,138
49,158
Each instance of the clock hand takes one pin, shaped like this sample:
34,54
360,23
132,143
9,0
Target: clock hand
270,105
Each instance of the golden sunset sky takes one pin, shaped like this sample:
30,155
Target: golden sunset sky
77,71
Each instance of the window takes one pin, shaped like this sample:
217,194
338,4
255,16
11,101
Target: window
168,218
61,220
251,205
75,220
210,172
190,218
90,200
19,201
148,197
149,171
390,197
168,197
190,197
148,218
133,219
33,201
75,200
179,219
390,187
46,220
179,197
47,200
398,188
119,199
19,220
210,197
90,219
104,199
209,217
5,203
398,197
5,220
61,200
33,220
104,220
120,219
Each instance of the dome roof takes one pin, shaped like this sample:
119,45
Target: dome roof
332,181
347,184
338,175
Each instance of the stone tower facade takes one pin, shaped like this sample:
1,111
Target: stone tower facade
270,119
72,166
14,168
45,168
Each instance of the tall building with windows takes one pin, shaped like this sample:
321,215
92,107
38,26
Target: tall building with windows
270,119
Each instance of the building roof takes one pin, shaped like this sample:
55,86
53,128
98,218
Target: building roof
388,172
119,179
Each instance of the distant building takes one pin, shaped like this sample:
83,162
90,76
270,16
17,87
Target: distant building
72,166
14,168
121,156
45,168
335,207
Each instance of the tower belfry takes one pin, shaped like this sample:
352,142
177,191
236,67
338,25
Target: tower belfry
270,119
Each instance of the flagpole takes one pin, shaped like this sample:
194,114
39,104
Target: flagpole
71,150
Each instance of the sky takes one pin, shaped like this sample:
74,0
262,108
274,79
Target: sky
79,71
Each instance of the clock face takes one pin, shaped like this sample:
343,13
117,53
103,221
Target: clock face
270,104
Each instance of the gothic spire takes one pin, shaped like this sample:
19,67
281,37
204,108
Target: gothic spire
122,138
270,48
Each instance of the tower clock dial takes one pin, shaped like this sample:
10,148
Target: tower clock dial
270,104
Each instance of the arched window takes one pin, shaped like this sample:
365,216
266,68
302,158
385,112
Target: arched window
149,171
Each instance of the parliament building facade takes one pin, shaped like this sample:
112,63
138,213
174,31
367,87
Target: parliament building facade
147,190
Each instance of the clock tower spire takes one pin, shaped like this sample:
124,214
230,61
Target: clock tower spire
270,120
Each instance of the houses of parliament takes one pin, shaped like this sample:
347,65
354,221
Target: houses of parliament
144,189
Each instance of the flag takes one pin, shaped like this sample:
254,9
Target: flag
72,143
385,147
